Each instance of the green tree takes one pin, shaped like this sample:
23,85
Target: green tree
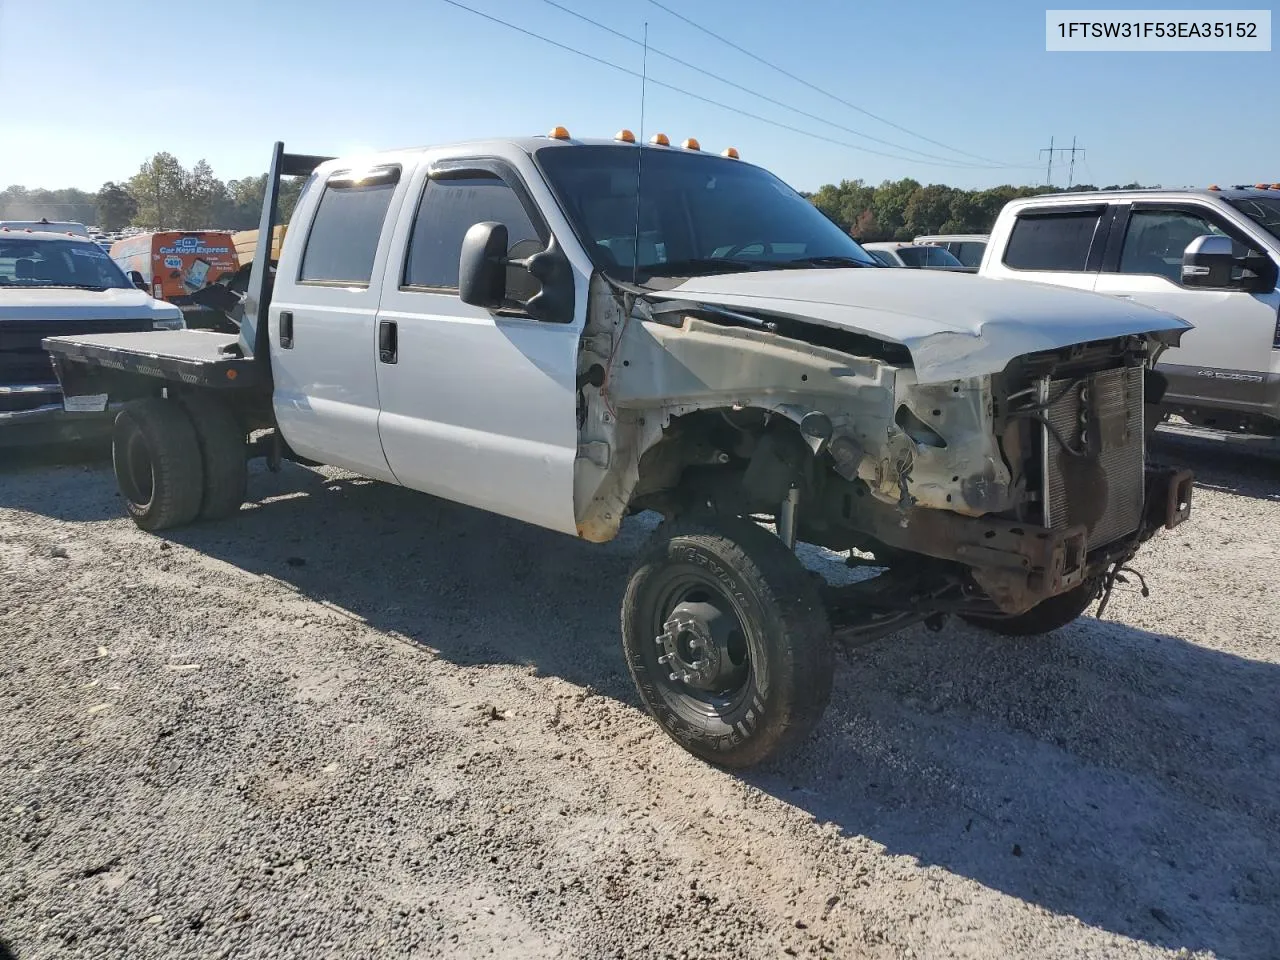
116,207
927,209
244,199
159,187
890,206
19,203
203,198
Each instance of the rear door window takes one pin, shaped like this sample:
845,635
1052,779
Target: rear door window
1053,241
344,234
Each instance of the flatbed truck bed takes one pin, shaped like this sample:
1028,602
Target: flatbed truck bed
196,357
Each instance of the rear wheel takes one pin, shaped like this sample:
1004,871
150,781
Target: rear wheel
1044,617
727,640
157,463
224,454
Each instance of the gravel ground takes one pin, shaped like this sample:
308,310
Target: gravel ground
355,721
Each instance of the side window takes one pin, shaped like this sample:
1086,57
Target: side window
1155,239
344,234
1054,241
450,207
969,252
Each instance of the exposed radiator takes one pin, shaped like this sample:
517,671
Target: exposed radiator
1102,490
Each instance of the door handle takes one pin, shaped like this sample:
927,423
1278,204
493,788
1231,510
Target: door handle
388,341
286,329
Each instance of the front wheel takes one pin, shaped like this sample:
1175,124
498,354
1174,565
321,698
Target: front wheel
1045,617
727,640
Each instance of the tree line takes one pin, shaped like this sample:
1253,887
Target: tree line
903,209
164,194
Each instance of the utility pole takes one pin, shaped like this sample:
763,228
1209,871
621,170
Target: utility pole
1071,170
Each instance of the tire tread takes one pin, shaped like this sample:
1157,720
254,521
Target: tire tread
776,577
175,461
224,454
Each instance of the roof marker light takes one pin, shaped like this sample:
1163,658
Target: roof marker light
660,140
626,136
691,144
730,152
558,133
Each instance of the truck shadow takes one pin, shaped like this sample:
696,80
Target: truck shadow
1122,777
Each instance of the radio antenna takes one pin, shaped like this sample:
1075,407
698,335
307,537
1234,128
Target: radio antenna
644,78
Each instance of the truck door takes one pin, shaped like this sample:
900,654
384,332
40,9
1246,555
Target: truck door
322,320
477,407
1227,360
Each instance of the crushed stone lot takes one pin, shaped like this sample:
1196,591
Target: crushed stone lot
356,721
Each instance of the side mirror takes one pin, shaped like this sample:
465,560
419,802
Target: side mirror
136,279
482,266
1208,263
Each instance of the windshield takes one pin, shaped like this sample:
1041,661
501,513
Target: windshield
1264,211
928,257
697,214
27,262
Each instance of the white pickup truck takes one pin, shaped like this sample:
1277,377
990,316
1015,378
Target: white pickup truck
53,283
567,332
1209,256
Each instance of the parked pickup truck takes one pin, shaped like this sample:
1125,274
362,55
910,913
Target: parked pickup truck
1209,256
567,332
59,283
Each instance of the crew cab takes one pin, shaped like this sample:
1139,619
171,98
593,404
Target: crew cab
54,283
1209,256
568,332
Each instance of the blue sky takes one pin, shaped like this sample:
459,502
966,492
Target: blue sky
104,84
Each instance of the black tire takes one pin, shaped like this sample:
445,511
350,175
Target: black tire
225,455
1044,617
157,463
774,658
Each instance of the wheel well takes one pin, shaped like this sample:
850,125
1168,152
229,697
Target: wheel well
734,460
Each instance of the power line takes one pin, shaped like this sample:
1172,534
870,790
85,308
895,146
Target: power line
763,96
695,96
826,93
